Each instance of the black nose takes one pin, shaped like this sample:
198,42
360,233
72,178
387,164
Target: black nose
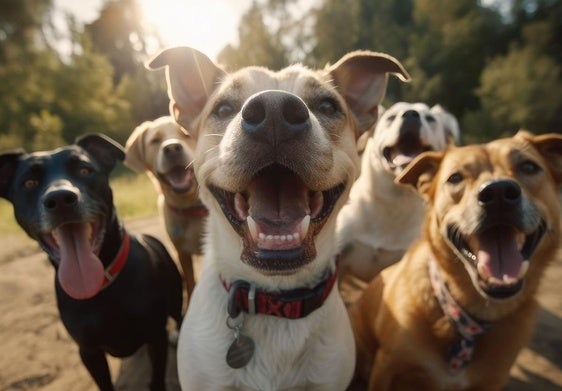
171,147
411,114
275,116
499,194
59,200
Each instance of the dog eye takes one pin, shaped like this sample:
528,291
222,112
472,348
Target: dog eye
155,141
391,118
528,167
328,107
84,171
31,184
430,118
455,178
223,110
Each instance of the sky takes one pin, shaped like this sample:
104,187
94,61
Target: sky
206,25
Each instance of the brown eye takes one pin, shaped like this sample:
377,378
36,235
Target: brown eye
529,167
455,178
31,184
84,171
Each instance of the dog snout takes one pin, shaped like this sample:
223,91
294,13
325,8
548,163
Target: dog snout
411,115
60,199
499,194
275,117
171,147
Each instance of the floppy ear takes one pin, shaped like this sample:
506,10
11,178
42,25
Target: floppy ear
421,172
134,148
9,162
550,147
361,78
191,78
105,150
449,122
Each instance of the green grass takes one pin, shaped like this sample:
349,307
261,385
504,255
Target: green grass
134,196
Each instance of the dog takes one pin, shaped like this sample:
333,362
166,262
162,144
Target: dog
165,152
382,218
114,290
459,306
275,160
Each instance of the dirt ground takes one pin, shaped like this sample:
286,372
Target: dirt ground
36,352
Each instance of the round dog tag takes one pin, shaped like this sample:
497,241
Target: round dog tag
240,351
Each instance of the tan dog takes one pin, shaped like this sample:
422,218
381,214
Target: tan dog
165,152
275,160
382,217
492,227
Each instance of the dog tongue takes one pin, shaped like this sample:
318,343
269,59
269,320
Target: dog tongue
80,273
499,253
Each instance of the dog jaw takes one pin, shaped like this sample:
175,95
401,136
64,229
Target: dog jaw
500,245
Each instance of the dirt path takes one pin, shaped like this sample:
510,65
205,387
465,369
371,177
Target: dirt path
36,352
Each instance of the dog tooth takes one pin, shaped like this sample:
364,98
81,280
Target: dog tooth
509,280
253,227
524,268
276,237
283,237
304,226
262,236
269,237
296,236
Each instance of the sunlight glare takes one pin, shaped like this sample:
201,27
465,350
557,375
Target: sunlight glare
206,25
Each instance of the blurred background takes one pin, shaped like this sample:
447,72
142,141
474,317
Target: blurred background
72,67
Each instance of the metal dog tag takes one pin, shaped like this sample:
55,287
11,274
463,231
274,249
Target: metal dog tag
240,351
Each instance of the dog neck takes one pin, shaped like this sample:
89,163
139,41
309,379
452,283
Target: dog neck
291,304
196,211
461,351
112,270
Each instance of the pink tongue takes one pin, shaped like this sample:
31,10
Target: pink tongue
80,273
499,254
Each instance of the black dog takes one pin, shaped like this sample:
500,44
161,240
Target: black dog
114,291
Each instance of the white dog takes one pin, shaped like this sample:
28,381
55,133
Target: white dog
382,217
275,160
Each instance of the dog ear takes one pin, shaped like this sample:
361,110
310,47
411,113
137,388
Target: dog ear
421,172
9,162
449,122
191,78
134,148
550,147
361,78
105,150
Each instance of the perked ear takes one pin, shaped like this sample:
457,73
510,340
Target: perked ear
9,162
361,77
191,78
421,172
105,150
550,147
134,148
450,123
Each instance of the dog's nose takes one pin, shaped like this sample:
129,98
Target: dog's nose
275,116
60,199
411,114
498,193
171,147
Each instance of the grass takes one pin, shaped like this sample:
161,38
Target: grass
134,196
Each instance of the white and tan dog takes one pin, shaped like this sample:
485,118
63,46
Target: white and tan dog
165,152
382,217
275,161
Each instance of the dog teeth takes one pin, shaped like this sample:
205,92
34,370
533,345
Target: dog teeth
524,269
258,236
305,223
241,206
253,227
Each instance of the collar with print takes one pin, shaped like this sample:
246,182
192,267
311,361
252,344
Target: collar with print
291,304
461,351
119,261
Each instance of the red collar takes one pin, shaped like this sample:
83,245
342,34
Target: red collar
197,211
291,304
116,266
461,351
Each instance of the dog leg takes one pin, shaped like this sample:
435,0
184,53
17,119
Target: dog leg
95,362
186,261
158,353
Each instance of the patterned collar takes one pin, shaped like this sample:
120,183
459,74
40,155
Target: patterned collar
290,304
461,351
196,211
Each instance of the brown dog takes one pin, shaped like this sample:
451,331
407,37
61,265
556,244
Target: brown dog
165,152
491,228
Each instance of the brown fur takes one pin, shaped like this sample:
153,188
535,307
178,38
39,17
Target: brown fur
402,336
157,147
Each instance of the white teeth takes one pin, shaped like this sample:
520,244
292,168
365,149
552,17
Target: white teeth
524,269
305,223
262,236
252,226
241,206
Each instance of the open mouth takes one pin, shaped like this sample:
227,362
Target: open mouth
76,246
179,178
398,156
499,255
278,216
